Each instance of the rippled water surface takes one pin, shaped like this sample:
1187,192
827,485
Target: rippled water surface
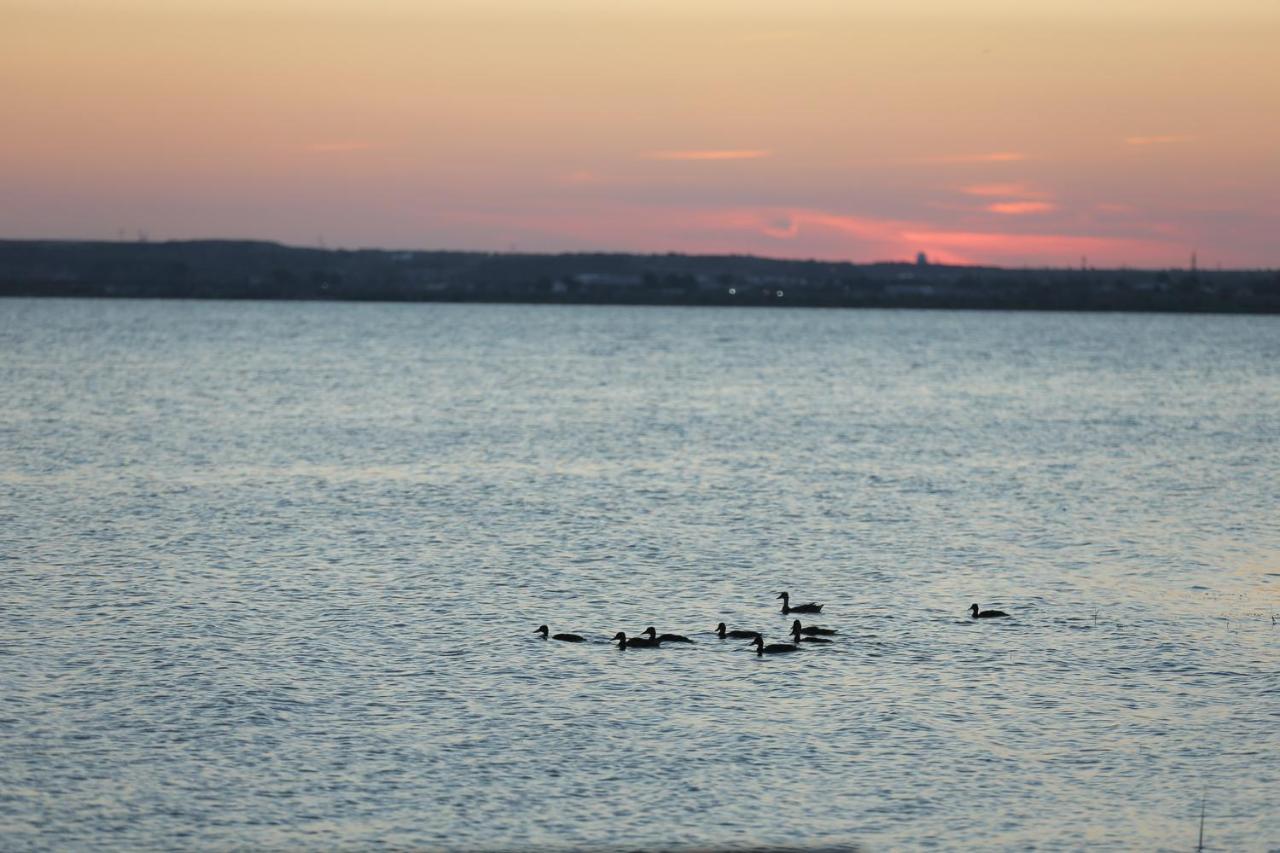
270,574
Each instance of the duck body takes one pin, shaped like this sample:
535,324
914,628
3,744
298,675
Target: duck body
787,609
772,648
564,638
811,630
635,642
665,638
800,638
721,632
975,613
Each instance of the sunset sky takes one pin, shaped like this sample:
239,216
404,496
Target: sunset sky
1129,132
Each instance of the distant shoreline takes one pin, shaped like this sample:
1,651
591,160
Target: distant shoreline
246,270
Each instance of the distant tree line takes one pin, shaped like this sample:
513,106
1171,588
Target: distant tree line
213,269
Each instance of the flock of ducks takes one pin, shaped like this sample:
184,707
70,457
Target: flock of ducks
649,638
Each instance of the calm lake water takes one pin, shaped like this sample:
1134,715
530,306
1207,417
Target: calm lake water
270,574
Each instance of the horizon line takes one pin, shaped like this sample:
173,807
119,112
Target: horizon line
144,241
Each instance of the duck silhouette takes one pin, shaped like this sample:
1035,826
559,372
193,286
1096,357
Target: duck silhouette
665,638
772,648
811,630
635,642
811,607
799,638
736,634
975,613
566,638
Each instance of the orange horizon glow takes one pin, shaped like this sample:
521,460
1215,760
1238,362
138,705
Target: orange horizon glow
999,134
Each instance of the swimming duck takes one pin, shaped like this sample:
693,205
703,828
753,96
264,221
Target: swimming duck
665,638
795,632
975,613
568,638
635,642
799,608
812,630
772,648
736,634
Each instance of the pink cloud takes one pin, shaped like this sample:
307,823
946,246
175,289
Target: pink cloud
728,154
816,233
1010,190
1046,248
1020,208
810,233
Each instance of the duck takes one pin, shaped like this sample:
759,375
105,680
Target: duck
635,642
721,632
812,630
772,648
799,608
975,613
567,638
795,632
665,638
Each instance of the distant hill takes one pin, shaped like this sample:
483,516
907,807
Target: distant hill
218,269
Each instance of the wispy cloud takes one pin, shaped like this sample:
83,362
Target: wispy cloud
819,233
816,233
1020,208
1013,190
712,154
992,157
788,224
1168,139
999,247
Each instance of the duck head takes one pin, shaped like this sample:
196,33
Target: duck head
721,629
973,609
542,629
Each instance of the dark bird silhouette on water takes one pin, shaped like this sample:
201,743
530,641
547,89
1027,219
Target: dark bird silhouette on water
736,634
811,607
567,638
800,638
635,642
772,648
811,630
665,638
975,613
